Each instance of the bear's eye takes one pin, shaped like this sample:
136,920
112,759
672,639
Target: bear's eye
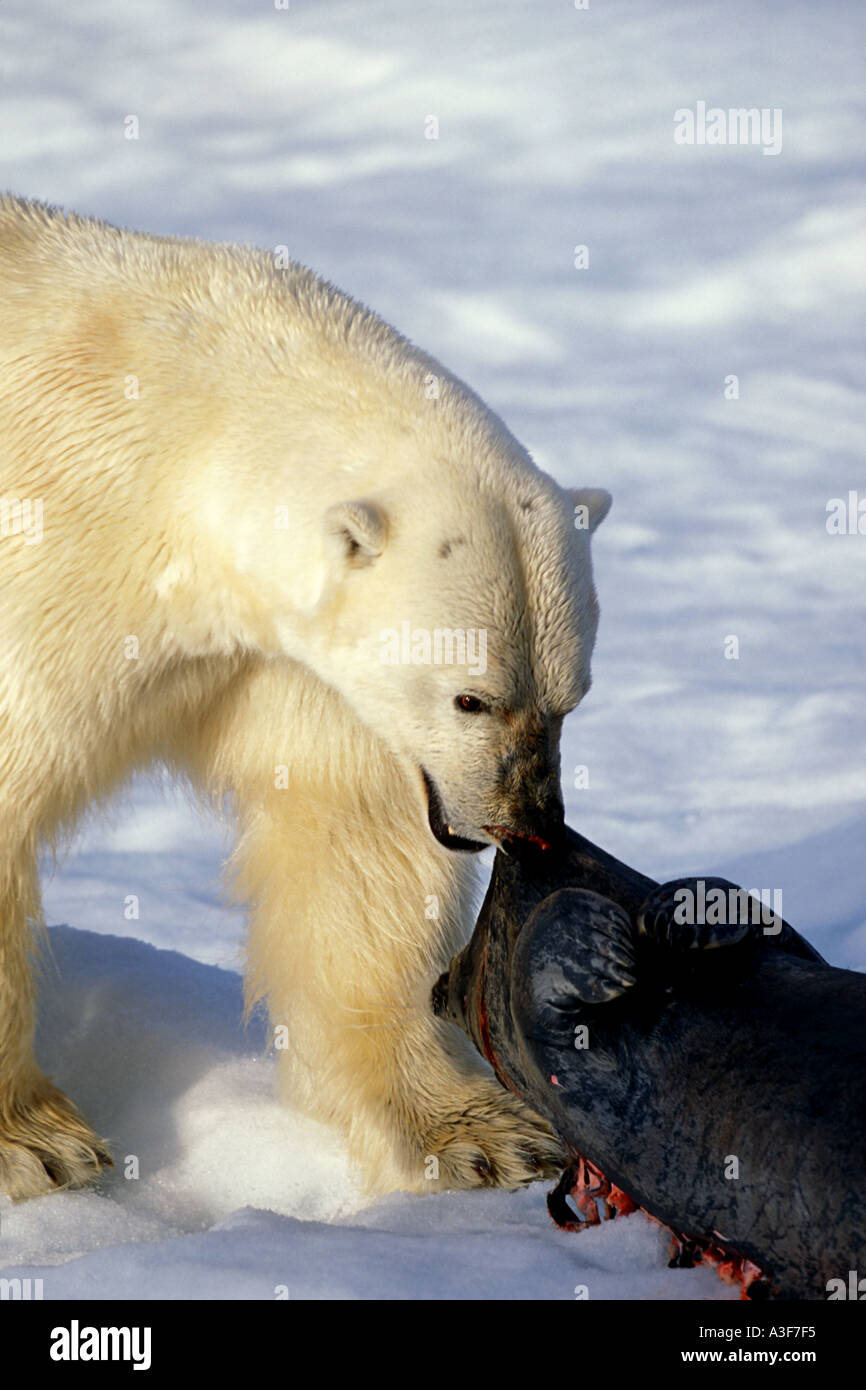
470,704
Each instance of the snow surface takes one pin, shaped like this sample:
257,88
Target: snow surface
306,128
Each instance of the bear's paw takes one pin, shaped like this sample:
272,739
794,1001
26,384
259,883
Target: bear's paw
46,1144
493,1140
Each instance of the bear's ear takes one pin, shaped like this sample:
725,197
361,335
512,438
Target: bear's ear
591,506
357,530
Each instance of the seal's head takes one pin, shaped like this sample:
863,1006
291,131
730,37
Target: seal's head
529,886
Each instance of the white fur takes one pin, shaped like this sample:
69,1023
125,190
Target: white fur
244,482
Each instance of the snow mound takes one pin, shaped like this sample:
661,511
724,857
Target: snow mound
237,1196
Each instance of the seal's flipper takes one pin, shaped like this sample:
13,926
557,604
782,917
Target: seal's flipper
702,914
577,949
690,914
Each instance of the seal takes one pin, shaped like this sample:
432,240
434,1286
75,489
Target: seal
696,1055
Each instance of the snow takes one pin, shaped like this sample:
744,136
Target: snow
232,1196
306,128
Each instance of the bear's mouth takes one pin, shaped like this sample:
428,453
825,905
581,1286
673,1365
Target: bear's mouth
439,822
513,840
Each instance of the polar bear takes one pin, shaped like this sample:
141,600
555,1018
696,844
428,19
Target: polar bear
250,530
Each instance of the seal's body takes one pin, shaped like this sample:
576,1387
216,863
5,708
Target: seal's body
714,1071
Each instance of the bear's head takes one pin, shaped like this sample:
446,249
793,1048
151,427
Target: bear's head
458,620
428,571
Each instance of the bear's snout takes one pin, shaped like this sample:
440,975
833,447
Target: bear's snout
527,793
532,829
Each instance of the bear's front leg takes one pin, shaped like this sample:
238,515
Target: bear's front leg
418,1111
346,966
355,909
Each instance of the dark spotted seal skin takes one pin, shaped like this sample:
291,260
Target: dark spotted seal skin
722,1084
